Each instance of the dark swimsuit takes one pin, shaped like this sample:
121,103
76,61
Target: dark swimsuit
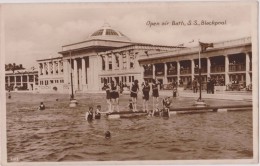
107,91
146,90
134,89
114,95
155,90
42,107
165,112
97,116
90,116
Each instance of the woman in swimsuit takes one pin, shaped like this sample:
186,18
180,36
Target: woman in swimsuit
115,95
134,91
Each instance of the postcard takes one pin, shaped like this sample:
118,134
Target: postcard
129,83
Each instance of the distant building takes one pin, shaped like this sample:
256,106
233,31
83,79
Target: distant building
19,78
108,54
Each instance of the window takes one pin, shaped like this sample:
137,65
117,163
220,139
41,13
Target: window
98,33
130,79
132,61
133,78
51,81
111,32
110,62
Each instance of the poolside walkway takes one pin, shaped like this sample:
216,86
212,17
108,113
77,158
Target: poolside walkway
225,95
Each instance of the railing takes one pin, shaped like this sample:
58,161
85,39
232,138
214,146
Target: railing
185,71
237,67
172,72
203,70
148,73
217,69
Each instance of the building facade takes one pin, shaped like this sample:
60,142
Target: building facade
108,54
21,80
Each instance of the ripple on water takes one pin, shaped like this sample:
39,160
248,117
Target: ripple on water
179,137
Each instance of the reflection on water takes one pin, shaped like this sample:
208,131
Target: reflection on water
65,136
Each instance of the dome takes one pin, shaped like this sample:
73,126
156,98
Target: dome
107,33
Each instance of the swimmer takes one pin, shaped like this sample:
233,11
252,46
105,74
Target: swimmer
134,92
107,134
98,112
89,114
166,107
130,105
41,107
156,112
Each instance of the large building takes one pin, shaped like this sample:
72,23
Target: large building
109,54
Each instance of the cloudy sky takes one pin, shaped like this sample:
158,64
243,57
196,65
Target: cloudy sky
35,31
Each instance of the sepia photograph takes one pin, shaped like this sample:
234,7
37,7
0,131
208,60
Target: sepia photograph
129,83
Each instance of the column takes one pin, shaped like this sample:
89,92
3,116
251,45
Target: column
247,69
8,80
153,71
59,70
128,60
21,80
192,69
39,69
53,67
80,77
165,74
120,61
43,69
106,63
14,80
75,74
226,69
113,61
178,72
208,67
28,84
49,68
66,71
83,64
34,80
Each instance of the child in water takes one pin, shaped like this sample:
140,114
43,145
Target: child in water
97,112
89,114
130,105
166,107
156,111
41,107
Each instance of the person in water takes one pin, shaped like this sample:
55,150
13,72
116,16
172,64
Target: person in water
115,95
108,94
130,105
156,112
41,107
97,114
107,134
146,91
134,91
155,93
166,107
89,114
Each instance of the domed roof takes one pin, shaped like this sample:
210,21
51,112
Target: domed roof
107,33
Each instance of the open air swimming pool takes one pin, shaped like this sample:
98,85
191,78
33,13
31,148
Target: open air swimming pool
68,137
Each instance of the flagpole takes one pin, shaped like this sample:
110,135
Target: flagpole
73,101
200,74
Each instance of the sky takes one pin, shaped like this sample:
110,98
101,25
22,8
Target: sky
37,31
